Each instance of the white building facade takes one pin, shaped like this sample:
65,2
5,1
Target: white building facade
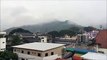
43,39
39,51
2,41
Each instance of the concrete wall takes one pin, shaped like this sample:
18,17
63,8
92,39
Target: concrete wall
43,38
53,57
28,57
2,44
34,54
31,57
57,50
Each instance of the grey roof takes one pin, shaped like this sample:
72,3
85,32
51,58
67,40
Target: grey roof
39,46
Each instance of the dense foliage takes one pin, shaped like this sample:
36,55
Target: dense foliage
61,33
75,29
54,33
68,32
6,55
89,28
19,30
55,25
16,40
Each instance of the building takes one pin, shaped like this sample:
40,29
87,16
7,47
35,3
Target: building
46,38
83,38
39,51
33,37
2,41
92,34
43,39
25,35
67,37
101,38
102,50
87,36
67,40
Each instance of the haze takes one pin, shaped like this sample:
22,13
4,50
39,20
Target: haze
27,12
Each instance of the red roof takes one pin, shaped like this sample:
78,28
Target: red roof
101,38
77,58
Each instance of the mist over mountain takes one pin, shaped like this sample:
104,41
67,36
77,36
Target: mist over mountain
47,27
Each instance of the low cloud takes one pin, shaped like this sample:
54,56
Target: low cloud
21,12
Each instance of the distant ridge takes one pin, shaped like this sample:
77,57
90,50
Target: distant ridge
46,27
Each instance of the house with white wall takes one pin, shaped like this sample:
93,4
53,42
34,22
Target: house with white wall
43,39
39,51
2,41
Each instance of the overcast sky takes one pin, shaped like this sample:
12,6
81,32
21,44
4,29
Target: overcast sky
26,12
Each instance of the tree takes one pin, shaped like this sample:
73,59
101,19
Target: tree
62,33
6,55
54,34
68,32
16,40
19,30
89,28
75,29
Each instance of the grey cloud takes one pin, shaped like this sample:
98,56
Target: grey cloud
18,11
34,12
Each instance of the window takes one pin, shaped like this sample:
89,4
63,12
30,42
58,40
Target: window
28,52
22,59
39,54
52,53
22,51
1,49
42,40
46,54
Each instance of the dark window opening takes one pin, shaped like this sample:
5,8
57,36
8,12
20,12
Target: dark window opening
39,54
46,54
52,53
42,38
22,51
28,52
22,59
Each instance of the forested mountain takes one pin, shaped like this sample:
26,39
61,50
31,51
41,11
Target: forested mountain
47,27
